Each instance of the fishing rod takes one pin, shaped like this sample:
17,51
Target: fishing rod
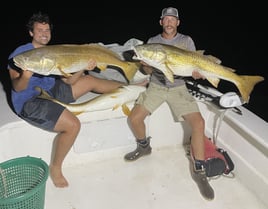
226,100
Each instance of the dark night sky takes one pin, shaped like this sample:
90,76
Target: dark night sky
230,31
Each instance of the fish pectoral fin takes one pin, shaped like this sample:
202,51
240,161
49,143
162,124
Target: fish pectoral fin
214,81
125,110
169,73
64,74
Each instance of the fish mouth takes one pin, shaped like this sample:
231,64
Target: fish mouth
135,54
18,64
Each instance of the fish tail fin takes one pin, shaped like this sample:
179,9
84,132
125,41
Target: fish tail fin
247,84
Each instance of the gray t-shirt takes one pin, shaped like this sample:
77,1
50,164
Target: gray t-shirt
181,41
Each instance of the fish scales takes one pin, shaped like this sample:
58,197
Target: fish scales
172,61
64,59
120,97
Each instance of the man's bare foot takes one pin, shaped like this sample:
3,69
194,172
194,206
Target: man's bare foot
57,177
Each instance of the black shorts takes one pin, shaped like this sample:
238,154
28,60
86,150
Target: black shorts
44,113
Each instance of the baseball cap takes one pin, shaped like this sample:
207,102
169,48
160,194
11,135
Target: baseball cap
170,11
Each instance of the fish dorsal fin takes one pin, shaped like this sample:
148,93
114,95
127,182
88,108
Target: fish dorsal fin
210,57
103,48
230,69
213,59
200,52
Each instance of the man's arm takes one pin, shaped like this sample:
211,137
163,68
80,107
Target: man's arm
19,78
75,77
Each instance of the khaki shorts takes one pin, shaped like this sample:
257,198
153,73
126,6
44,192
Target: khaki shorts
179,100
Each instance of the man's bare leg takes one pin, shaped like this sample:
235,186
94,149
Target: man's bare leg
68,127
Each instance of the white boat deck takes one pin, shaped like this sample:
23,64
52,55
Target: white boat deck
160,180
99,177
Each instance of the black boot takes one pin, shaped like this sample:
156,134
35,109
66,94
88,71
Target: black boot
199,176
141,150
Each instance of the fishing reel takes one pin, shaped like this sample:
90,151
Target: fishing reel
205,93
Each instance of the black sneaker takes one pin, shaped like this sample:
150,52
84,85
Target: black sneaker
200,178
140,151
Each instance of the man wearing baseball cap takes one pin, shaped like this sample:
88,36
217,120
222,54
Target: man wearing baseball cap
170,11
182,104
